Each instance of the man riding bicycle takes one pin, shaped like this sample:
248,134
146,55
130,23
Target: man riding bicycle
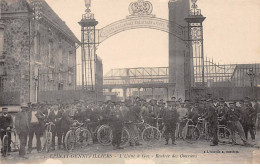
6,124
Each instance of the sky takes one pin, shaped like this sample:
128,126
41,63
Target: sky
231,32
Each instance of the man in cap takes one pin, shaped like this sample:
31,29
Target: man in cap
22,128
182,112
248,119
212,117
232,117
36,119
133,117
55,116
116,122
170,120
6,124
221,110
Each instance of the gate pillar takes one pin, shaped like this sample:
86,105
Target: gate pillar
178,11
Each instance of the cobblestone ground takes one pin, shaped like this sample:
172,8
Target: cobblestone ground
183,152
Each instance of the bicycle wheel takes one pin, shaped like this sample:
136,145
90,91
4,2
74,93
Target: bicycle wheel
191,134
151,136
70,140
16,143
125,137
5,146
48,141
224,134
104,135
83,136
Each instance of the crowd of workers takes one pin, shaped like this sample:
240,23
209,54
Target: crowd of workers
239,117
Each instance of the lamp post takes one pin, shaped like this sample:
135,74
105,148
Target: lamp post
88,49
252,76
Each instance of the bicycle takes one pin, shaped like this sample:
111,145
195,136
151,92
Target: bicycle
162,127
6,141
202,125
224,134
93,129
150,135
77,135
105,136
190,132
48,136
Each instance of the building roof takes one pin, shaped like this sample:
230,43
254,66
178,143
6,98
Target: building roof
246,67
48,14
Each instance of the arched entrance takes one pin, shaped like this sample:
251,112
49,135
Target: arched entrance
183,27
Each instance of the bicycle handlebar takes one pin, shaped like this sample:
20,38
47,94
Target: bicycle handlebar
49,123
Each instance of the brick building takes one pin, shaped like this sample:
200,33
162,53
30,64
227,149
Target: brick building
38,51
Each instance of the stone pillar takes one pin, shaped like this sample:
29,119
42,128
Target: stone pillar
178,11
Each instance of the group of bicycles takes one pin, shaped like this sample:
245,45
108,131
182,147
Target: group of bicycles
191,132
82,134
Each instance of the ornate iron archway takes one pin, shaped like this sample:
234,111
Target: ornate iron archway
187,37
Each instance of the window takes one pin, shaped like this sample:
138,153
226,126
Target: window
38,47
60,86
51,55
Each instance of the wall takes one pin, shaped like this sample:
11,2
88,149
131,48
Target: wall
66,96
229,93
16,48
39,54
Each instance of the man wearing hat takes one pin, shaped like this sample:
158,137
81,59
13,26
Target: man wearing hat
6,124
232,117
22,128
212,117
221,110
248,119
36,119
170,120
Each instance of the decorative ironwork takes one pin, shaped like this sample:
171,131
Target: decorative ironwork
194,9
88,14
141,8
37,8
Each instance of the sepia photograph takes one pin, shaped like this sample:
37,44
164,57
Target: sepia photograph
130,81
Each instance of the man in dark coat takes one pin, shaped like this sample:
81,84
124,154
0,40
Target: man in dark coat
248,119
212,117
6,124
22,129
170,119
36,119
232,117
133,117
116,123
66,121
55,116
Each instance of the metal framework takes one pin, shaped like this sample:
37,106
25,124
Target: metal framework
217,72
148,77
216,75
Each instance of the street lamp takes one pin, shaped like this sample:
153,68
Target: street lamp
88,5
251,75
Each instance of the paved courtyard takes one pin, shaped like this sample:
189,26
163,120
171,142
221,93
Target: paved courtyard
183,152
